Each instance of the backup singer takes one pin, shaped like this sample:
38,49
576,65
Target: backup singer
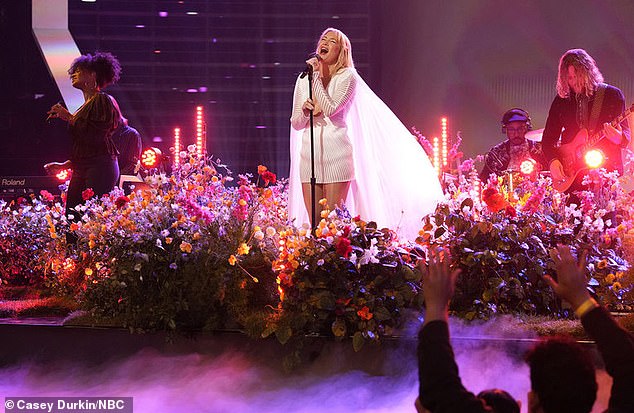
93,154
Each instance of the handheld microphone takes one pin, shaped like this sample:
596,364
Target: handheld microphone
309,67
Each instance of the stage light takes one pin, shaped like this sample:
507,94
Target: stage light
63,175
594,158
177,146
151,158
444,137
527,166
436,157
200,132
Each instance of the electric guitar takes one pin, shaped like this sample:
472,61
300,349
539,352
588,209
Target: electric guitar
566,167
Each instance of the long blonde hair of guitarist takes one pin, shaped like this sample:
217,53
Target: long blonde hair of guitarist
584,65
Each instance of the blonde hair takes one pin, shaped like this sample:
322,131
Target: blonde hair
584,65
345,52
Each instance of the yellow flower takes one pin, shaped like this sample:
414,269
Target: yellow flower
242,202
609,278
232,260
88,271
617,286
91,244
243,249
186,247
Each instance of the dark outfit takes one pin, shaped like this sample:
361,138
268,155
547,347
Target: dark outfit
441,390
93,154
498,159
128,142
574,113
616,347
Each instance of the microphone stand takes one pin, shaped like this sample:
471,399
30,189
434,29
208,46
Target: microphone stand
313,179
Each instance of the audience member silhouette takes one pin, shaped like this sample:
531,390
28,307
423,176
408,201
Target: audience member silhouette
562,374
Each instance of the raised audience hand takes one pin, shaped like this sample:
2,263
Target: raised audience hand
438,284
571,279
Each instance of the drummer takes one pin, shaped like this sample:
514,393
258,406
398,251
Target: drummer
509,155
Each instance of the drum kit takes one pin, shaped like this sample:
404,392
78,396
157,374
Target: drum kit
535,135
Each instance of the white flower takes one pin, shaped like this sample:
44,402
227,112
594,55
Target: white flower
259,235
191,148
369,255
270,231
353,258
320,262
137,267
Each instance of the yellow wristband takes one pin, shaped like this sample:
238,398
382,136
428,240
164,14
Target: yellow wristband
585,307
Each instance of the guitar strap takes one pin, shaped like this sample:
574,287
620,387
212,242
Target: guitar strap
596,107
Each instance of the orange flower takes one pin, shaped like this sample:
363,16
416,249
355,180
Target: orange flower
232,260
243,249
602,264
186,247
262,169
365,313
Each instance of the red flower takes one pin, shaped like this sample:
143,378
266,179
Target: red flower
346,231
510,211
87,194
121,201
269,177
494,200
343,247
365,313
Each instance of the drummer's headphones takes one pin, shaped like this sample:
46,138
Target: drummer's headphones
506,118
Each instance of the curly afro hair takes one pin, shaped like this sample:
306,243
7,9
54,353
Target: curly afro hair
104,64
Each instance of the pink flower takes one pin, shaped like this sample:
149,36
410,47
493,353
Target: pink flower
47,196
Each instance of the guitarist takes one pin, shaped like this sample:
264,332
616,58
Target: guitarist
583,101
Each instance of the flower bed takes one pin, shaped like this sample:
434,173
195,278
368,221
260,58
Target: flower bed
205,250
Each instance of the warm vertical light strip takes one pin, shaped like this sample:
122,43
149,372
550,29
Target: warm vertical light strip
444,137
436,155
177,147
200,149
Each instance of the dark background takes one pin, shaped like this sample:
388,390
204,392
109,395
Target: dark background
468,60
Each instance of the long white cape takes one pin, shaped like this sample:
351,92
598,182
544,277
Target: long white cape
395,184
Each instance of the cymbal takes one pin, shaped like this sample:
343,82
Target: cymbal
535,135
